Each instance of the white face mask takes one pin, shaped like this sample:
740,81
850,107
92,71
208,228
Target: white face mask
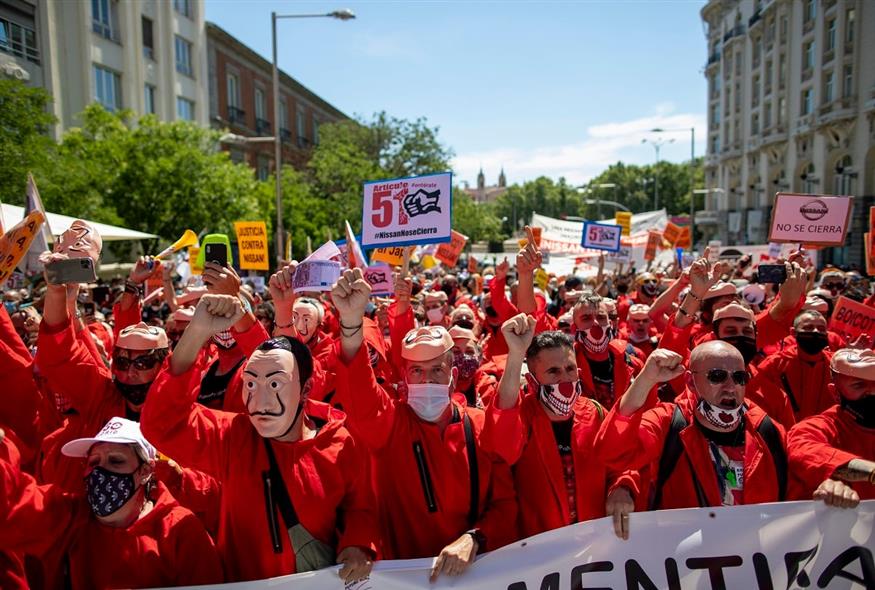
721,417
428,400
435,315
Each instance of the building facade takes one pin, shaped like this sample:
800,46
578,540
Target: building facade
488,194
241,101
148,56
791,108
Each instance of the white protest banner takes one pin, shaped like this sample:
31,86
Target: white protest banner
403,211
810,219
761,546
601,236
315,275
379,277
774,250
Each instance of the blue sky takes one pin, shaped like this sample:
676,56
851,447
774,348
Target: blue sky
542,88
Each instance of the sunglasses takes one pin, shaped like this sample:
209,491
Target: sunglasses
832,286
141,363
718,376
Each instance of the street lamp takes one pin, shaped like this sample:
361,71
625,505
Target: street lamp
657,144
692,131
343,14
598,202
234,139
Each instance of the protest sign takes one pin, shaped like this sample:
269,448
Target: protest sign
197,267
870,260
654,238
774,250
449,253
15,243
765,546
315,275
871,231
714,247
671,233
379,277
402,211
851,319
624,220
472,264
601,236
684,241
623,255
427,261
393,256
252,244
810,219
541,279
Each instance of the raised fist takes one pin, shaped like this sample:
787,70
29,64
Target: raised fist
350,296
216,313
662,365
518,333
280,284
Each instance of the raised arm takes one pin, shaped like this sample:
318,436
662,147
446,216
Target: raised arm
518,332
528,260
280,287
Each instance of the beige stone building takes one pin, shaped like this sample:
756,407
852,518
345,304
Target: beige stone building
791,107
145,55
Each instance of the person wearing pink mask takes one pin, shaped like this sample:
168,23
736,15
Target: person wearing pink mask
467,356
441,489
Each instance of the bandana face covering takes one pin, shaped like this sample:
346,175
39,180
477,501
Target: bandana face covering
136,394
108,491
224,340
560,397
721,417
467,365
596,339
428,400
863,409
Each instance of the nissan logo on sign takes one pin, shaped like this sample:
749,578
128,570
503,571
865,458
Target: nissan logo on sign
814,210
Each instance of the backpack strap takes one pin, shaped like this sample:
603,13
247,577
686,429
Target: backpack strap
474,475
599,408
770,435
786,383
671,452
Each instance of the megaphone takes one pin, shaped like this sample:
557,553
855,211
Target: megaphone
189,238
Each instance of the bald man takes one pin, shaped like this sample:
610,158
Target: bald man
712,447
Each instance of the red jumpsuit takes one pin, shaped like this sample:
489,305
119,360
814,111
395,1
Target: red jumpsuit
422,477
529,446
803,380
12,574
625,365
632,442
326,476
166,547
820,444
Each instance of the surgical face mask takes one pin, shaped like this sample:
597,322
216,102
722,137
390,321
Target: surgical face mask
108,491
435,315
811,342
863,409
596,339
428,400
560,397
746,345
467,364
224,340
721,417
135,394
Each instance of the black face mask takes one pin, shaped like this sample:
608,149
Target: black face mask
811,342
746,345
863,410
135,394
622,288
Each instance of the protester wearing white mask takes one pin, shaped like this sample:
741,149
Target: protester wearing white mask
436,308
433,455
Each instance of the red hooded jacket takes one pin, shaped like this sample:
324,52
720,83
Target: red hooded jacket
804,383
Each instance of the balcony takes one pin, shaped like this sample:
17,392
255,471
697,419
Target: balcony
807,73
236,115
285,135
713,59
303,141
262,126
828,56
808,26
803,124
736,31
756,18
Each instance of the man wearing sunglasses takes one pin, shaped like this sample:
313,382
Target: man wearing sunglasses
712,447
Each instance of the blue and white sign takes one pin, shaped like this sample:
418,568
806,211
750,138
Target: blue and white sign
601,236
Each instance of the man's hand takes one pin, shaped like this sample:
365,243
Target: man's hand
662,365
702,276
403,288
501,270
145,267
518,333
529,258
455,558
221,280
619,505
356,563
280,284
350,296
837,493
861,342
215,313
792,290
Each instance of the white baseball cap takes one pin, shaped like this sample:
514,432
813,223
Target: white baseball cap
117,430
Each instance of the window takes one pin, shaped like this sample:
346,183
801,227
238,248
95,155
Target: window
263,169
183,56
850,21
728,106
782,110
149,100
808,180
828,87
18,40
184,109
768,81
259,104
848,83
782,70
783,29
315,130
808,58
148,41
715,116
767,115
810,10
107,88
104,18
299,124
831,35
757,51
233,91
284,114
755,124
715,144
770,31
738,64
806,105
844,177
755,91
737,97
183,7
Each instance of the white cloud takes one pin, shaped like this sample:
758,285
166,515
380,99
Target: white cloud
605,144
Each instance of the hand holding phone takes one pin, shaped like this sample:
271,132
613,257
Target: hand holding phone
772,273
71,270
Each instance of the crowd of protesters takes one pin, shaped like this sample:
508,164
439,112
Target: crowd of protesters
207,433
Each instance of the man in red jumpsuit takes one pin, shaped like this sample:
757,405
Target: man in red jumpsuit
640,333
441,489
832,454
712,447
547,430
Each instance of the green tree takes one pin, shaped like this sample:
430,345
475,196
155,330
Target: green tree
24,141
542,195
475,220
